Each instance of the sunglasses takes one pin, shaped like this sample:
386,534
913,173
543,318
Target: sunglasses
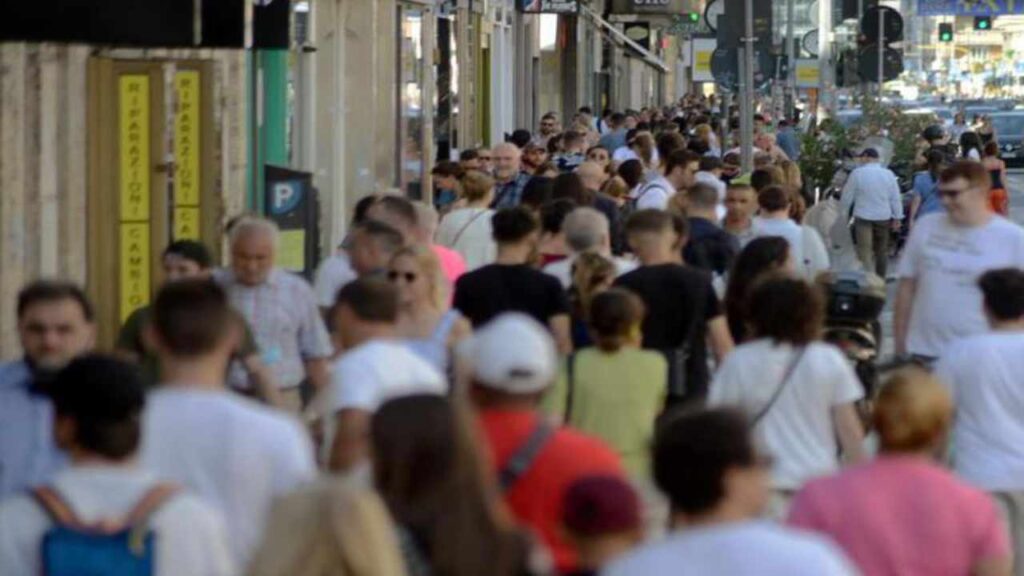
951,193
409,277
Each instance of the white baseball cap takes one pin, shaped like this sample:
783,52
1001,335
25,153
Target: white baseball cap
512,353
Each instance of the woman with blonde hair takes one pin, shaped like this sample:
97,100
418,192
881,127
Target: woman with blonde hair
902,513
791,175
591,275
429,327
329,529
467,229
705,134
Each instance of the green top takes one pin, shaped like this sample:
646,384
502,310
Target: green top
616,397
130,339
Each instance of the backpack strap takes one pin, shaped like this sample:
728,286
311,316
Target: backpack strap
570,384
150,503
55,507
61,513
524,456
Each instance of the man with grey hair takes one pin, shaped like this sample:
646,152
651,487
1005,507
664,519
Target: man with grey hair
586,230
509,178
280,307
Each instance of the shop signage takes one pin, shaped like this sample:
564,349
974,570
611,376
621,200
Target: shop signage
549,6
702,50
671,7
969,7
808,73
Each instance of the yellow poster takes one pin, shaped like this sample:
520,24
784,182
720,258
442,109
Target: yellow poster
808,73
134,147
186,223
291,251
186,138
702,50
134,267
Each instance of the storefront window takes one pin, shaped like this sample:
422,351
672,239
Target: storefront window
411,80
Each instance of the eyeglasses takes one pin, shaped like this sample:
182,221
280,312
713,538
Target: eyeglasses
409,277
951,193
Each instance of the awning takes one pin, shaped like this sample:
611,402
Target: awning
619,37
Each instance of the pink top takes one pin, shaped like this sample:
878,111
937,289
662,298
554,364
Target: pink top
452,263
902,515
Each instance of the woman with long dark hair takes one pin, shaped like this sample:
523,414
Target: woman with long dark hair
970,146
760,256
996,167
429,471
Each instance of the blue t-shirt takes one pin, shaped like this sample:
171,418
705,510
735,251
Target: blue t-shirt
927,188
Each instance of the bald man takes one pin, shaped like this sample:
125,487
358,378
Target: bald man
509,178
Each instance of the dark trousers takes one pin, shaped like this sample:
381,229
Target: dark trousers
872,245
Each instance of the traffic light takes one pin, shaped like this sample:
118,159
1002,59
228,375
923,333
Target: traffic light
982,22
693,17
945,32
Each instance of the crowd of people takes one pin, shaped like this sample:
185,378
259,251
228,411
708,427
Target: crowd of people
599,350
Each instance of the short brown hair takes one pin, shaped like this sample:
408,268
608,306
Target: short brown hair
476,185
973,172
680,159
773,199
191,317
913,412
649,222
614,314
786,309
370,299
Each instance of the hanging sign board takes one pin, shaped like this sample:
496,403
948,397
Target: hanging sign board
671,7
808,73
702,50
549,6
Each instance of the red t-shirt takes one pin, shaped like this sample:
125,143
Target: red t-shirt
536,498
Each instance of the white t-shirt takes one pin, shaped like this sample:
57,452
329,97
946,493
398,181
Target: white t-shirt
655,194
798,429
750,548
334,272
562,269
377,371
190,534
806,246
232,452
946,260
984,376
468,231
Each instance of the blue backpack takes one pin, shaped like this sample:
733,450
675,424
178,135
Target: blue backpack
107,548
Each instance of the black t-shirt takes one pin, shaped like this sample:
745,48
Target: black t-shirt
680,301
489,291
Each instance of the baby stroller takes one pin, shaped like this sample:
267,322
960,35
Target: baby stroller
855,301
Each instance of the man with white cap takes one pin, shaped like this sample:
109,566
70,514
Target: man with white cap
511,362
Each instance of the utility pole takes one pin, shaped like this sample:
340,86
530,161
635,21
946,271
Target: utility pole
881,54
791,57
747,88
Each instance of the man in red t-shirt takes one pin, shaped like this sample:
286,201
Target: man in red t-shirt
513,362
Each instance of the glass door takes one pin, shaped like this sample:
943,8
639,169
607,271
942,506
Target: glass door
412,150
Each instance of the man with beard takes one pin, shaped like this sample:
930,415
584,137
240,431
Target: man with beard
55,325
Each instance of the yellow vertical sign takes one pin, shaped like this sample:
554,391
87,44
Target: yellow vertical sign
186,223
186,138
134,267
134,147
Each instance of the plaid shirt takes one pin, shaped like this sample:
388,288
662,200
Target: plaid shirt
286,322
511,194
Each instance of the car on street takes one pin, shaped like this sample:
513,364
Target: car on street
1009,127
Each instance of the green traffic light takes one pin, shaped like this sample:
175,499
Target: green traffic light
946,38
694,17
